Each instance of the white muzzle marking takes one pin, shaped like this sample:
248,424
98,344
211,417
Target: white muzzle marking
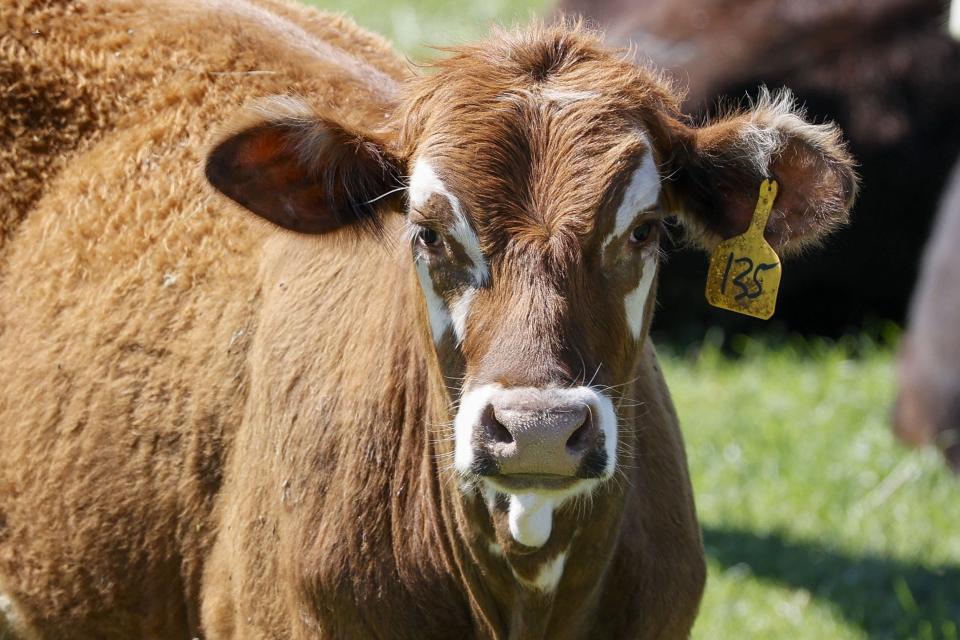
531,511
531,519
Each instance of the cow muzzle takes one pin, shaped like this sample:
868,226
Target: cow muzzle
535,439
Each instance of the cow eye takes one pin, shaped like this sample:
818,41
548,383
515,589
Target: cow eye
641,234
427,237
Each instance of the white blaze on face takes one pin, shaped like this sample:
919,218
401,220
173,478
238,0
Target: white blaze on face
436,309
564,97
424,184
635,302
459,309
642,192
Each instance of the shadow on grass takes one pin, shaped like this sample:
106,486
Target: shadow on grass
887,598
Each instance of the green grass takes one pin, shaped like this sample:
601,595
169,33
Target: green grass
414,25
817,524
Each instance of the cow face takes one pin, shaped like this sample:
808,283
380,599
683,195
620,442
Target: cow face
537,272
539,169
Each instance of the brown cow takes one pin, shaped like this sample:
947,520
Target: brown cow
429,407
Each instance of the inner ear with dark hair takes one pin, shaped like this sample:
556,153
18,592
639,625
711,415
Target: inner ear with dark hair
715,172
304,172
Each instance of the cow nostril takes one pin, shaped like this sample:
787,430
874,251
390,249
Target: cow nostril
499,433
495,430
579,439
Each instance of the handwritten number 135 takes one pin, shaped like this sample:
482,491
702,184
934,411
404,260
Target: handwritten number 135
746,291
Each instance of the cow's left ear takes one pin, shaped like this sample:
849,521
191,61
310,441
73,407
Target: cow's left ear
303,172
714,174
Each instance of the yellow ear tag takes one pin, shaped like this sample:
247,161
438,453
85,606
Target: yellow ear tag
744,274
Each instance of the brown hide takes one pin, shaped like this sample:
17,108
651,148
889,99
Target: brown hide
213,429
928,403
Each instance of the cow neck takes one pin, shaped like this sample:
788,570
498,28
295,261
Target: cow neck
502,580
520,598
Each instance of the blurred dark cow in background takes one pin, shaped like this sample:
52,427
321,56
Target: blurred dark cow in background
885,70
928,404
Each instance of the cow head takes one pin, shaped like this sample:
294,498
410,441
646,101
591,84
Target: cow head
540,169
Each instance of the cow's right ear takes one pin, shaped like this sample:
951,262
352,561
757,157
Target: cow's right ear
303,172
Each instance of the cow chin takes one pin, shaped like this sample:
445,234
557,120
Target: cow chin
530,512
537,447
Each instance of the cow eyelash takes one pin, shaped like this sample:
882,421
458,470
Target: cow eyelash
641,233
424,238
649,228
427,236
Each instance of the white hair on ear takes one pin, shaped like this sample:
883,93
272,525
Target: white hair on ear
774,118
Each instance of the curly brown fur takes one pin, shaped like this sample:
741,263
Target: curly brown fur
130,294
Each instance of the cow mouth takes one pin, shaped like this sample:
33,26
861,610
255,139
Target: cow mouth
528,500
518,482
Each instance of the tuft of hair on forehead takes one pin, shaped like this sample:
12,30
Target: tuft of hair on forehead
532,126
562,61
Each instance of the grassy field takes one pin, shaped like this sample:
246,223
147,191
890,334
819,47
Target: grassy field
817,524
412,26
